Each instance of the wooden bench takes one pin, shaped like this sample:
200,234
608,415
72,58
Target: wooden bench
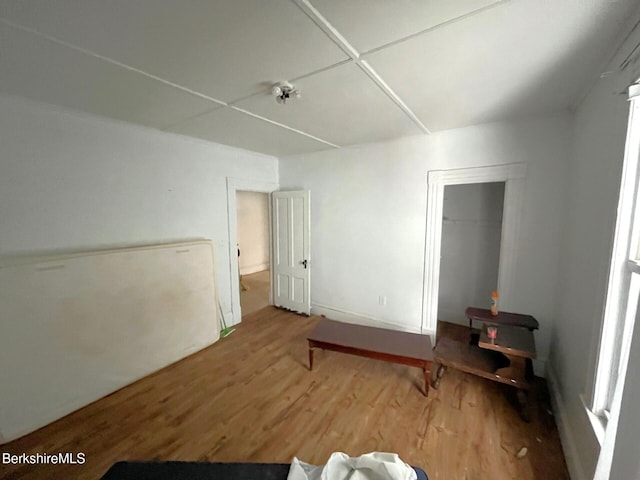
382,344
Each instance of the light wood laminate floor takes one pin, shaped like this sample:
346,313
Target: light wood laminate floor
251,397
256,297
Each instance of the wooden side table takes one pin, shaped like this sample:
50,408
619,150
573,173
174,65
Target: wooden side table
505,359
502,318
518,345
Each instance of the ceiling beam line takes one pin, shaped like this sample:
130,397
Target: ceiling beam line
438,26
336,37
219,103
282,125
379,81
90,53
329,30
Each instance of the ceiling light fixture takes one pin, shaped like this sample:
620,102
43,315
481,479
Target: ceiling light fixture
283,91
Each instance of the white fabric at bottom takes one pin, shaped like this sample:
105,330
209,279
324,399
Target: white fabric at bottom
371,466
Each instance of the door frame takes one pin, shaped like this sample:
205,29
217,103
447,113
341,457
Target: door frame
233,186
513,175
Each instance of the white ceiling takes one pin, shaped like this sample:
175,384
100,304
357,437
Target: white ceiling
369,70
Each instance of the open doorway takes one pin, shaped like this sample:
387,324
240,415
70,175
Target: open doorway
231,304
470,254
512,176
252,213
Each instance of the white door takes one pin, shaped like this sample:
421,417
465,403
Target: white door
291,267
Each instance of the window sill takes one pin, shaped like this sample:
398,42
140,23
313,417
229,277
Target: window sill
598,422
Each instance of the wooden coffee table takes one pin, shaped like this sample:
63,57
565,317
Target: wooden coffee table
389,345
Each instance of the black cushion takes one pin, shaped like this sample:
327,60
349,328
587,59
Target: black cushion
204,471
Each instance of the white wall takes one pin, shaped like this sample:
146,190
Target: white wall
72,181
592,193
253,231
470,255
591,201
368,217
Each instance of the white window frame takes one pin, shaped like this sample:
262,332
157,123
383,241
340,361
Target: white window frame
624,274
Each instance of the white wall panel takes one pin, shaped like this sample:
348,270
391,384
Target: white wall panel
591,199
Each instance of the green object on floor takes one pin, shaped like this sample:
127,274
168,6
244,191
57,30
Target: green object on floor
226,331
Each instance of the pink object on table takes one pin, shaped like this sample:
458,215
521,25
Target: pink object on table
492,332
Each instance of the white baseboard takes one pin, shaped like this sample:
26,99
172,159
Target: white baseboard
249,269
359,319
576,472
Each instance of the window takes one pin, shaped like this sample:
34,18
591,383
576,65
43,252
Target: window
624,275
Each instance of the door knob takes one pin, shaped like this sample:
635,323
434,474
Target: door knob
304,263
